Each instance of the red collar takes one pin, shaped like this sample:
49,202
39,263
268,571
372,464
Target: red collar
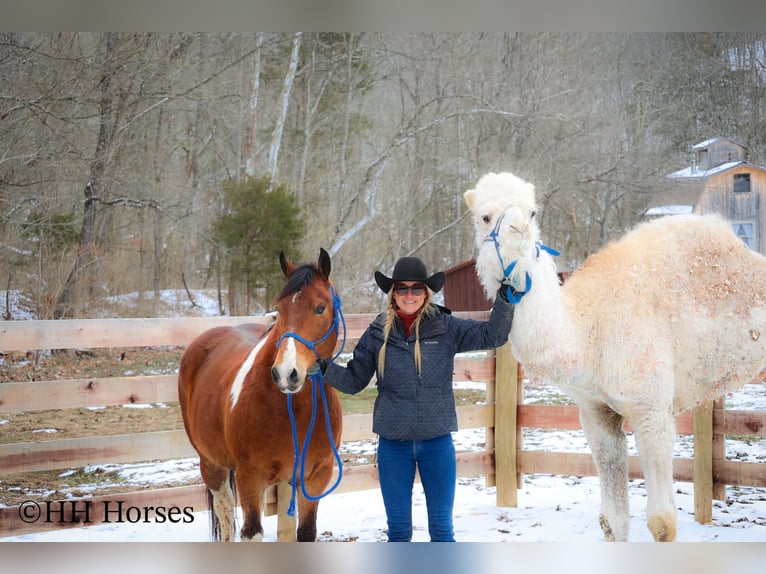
407,321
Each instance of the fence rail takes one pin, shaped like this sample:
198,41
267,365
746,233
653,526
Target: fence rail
504,415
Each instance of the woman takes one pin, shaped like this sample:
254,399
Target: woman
411,348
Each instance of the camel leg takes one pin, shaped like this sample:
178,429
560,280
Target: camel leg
250,492
655,434
603,429
220,499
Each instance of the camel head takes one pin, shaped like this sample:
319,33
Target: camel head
504,197
503,209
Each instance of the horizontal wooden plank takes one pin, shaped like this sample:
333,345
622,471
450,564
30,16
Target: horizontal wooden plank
748,423
150,332
739,473
475,416
474,369
357,427
66,394
80,452
162,445
566,417
562,417
99,333
74,393
581,464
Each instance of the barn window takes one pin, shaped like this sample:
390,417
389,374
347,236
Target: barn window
745,230
741,182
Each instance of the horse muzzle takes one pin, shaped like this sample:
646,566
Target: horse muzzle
288,382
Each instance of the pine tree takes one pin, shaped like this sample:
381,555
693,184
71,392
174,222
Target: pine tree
261,220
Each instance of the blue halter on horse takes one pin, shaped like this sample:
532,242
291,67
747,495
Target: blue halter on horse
316,379
514,295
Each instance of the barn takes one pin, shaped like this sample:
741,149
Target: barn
719,180
463,292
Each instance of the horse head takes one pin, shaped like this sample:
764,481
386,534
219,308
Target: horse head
307,323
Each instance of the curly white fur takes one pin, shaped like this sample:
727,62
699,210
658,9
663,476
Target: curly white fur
671,315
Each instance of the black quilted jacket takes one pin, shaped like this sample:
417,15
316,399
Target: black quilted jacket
411,406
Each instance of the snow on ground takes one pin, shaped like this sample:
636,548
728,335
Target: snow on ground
550,508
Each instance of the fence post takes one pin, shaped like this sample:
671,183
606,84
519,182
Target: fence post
719,451
702,425
286,525
506,381
489,438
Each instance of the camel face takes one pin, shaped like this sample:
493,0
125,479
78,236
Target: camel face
503,208
504,197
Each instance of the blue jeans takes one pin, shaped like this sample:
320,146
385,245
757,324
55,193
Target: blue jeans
435,461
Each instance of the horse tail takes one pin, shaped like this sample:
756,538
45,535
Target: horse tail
215,523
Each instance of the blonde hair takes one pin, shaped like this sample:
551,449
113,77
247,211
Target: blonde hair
391,317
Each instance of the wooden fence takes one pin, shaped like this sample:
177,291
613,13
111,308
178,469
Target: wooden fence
504,415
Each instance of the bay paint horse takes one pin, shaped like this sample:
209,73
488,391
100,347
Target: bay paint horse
236,386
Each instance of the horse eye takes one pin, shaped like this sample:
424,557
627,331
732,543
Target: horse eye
532,215
486,218
319,310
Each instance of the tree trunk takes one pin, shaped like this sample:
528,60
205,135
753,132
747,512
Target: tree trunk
249,145
276,137
86,253
85,256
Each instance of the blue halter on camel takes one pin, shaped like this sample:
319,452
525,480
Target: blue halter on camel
513,294
317,380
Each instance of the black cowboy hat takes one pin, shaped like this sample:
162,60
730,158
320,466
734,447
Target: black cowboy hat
410,269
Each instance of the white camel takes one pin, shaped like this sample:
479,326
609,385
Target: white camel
671,315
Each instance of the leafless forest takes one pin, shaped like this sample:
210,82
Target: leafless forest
114,147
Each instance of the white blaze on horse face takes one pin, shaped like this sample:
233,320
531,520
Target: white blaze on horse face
287,365
236,386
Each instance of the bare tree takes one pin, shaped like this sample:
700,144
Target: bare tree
250,143
130,137
276,135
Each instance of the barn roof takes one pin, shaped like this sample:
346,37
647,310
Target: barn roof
693,172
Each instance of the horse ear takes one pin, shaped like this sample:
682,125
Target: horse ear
324,262
286,267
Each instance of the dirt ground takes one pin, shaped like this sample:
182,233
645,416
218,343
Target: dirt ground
37,426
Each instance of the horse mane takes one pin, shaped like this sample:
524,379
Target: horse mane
302,276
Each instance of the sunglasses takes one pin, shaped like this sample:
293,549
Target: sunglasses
418,289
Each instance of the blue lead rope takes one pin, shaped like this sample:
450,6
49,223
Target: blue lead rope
317,381
513,295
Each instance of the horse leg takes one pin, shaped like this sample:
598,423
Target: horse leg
316,483
603,430
655,434
250,490
220,499
307,519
